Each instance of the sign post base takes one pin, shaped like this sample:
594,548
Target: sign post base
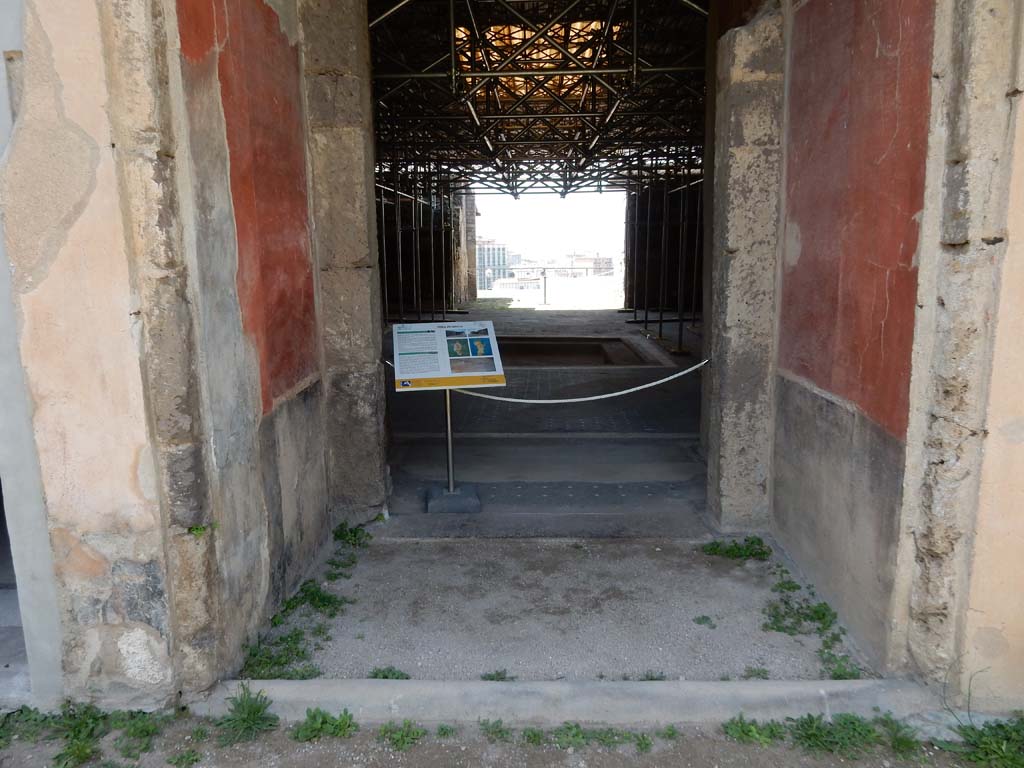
464,500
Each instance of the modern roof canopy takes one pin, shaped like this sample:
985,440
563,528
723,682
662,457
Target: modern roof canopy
525,96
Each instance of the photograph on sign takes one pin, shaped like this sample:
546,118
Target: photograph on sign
447,355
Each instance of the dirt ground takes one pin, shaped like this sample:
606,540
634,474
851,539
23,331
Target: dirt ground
695,748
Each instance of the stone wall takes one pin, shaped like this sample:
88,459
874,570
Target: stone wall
738,392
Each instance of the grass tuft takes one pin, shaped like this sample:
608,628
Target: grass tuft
400,737
320,723
849,736
535,737
668,733
996,744
498,676
388,673
184,759
495,731
317,599
755,673
354,536
752,732
651,676
751,548
705,621
248,717
445,731
280,659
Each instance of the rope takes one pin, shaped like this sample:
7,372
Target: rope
583,399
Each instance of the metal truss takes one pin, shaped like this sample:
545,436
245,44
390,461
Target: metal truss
522,96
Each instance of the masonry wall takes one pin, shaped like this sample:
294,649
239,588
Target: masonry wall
858,84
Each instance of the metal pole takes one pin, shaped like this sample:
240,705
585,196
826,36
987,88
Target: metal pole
684,225
544,274
398,244
433,233
698,231
636,244
384,255
417,219
663,272
647,258
444,259
451,441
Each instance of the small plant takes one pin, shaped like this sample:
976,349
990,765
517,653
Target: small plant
77,752
495,731
751,548
755,673
498,676
248,717
138,729
320,632
847,735
569,736
81,726
400,737
786,585
280,659
996,744
197,531
388,673
199,734
705,621
533,736
445,731
651,676
317,599
184,759
319,723
643,742
752,732
668,733
899,737
354,536
609,737
25,724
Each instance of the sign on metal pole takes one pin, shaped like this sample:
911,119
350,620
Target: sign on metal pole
446,356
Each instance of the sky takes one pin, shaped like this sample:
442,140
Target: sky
542,227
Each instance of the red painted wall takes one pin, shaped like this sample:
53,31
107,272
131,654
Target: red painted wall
858,125
258,73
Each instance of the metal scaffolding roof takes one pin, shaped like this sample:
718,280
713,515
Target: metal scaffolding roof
539,95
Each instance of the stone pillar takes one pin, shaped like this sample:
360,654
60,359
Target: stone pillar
339,123
738,395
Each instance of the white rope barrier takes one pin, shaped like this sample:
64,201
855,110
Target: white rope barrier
584,399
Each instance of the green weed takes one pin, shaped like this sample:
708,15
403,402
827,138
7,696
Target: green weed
280,659
197,530
668,733
755,673
786,585
533,736
184,759
138,729
495,731
388,673
847,735
751,548
569,736
401,737
752,732
608,737
317,599
248,717
200,734
643,742
498,676
320,723
24,724
81,726
77,752
705,621
899,737
996,744
354,536
651,676
445,731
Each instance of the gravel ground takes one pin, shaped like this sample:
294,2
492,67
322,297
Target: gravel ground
555,609
694,749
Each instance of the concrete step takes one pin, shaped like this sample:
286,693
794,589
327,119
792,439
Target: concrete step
552,703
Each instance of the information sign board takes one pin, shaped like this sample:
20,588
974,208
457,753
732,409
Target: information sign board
447,355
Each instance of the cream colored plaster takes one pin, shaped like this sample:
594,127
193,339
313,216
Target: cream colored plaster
993,649
78,349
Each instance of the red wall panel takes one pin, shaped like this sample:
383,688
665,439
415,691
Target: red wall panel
858,126
260,92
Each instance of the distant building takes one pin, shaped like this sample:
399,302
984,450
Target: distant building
493,262
592,265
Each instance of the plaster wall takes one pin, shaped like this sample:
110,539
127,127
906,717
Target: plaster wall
70,271
994,623
858,85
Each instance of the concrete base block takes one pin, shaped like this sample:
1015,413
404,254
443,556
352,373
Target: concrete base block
465,500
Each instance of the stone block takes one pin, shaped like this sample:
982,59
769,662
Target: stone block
350,317
356,448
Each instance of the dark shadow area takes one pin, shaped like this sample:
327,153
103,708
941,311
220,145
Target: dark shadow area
13,661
